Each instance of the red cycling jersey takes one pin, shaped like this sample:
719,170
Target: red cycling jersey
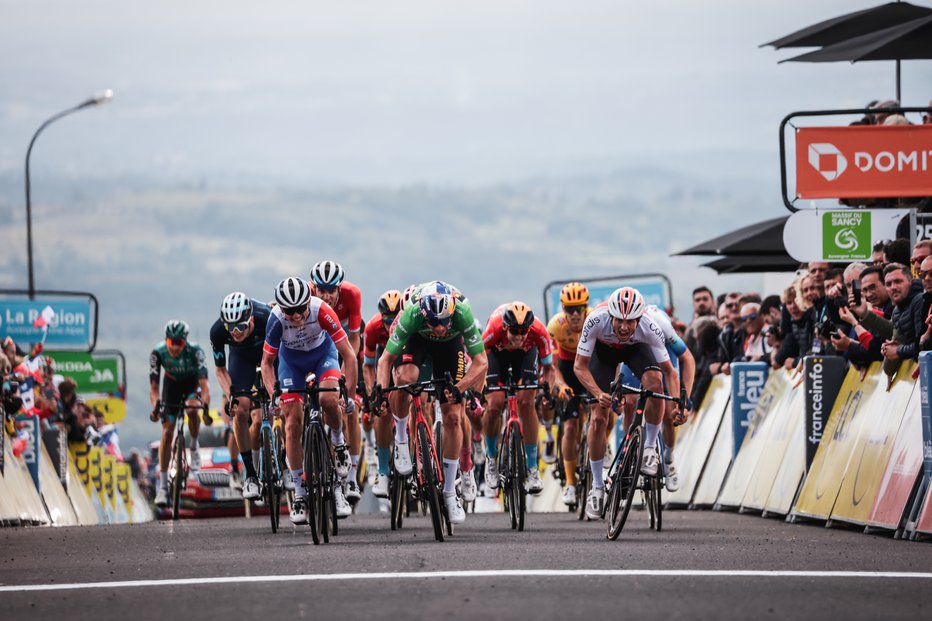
349,307
374,336
495,337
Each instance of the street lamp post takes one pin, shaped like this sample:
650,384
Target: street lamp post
96,100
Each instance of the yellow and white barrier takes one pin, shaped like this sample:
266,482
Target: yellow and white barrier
20,502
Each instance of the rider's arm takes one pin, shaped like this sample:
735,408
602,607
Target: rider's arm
267,368
385,368
349,366
225,381
687,371
584,375
155,368
476,373
201,358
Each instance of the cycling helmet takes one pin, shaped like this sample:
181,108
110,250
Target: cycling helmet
390,302
176,329
574,294
438,303
236,308
292,293
518,315
407,295
327,274
626,303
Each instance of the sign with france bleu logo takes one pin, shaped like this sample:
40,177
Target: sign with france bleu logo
838,234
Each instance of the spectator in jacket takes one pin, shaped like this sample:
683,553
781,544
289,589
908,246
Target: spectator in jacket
868,320
896,251
908,322
797,332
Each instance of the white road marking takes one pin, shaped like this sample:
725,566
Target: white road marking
501,573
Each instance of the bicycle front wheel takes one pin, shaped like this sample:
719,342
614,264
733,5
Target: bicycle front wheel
624,485
311,483
178,479
268,476
584,479
430,480
518,466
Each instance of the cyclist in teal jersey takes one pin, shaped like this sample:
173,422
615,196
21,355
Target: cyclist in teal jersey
440,326
185,367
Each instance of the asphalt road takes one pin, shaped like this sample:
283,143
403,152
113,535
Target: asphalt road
238,569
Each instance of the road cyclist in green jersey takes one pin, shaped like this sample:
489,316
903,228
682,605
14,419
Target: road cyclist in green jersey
185,366
438,324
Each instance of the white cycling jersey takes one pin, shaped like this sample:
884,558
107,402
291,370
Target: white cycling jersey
321,320
598,328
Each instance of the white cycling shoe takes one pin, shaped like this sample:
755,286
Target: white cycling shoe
344,509
650,462
468,482
594,504
533,485
341,461
672,477
569,495
161,497
299,511
403,460
250,488
372,463
454,509
492,479
380,487
352,491
195,463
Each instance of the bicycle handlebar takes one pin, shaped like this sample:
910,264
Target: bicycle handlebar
617,387
510,388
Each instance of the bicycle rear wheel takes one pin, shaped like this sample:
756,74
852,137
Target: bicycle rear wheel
658,502
178,479
584,478
396,495
430,480
624,485
518,466
268,476
312,487
328,510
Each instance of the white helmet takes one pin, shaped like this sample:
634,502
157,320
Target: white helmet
626,303
327,274
407,296
437,303
236,308
292,293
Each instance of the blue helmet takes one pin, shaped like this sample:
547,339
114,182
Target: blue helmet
438,303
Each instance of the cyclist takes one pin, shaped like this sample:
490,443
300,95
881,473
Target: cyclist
682,362
185,368
241,327
613,334
375,337
565,329
303,332
345,298
516,342
437,324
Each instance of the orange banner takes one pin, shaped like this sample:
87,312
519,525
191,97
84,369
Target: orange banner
864,161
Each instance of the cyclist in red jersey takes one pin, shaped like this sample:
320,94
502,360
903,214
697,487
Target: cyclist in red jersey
516,343
345,298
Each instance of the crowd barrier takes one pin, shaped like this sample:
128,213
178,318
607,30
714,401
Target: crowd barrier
81,486
870,458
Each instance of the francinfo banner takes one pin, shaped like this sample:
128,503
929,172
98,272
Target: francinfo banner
747,385
864,161
824,376
925,386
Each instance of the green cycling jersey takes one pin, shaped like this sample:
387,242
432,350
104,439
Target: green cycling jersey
412,321
190,364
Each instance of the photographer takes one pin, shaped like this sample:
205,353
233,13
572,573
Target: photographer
867,315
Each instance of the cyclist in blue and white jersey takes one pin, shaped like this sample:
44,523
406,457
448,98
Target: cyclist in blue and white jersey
305,334
682,362
241,327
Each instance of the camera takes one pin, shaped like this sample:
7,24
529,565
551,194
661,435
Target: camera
826,329
856,292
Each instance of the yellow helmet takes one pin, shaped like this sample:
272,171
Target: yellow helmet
574,294
390,302
518,315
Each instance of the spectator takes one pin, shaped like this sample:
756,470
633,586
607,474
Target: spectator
883,107
819,269
770,310
732,336
896,251
709,345
896,119
797,334
908,322
860,345
703,303
756,348
925,274
920,252
877,253
927,117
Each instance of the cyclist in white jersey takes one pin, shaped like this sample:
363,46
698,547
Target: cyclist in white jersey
611,335
304,333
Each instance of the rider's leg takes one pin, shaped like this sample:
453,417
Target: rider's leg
492,423
570,445
383,439
293,410
165,450
530,426
452,442
603,372
243,437
399,401
652,380
353,440
194,421
466,444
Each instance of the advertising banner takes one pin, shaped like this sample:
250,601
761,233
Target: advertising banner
113,408
122,475
93,373
31,451
838,234
65,323
56,444
824,376
747,386
925,385
864,161
655,289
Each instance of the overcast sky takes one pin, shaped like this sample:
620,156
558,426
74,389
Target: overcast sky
411,91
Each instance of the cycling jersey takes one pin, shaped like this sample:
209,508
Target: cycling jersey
220,338
374,336
598,329
660,323
412,321
495,337
564,337
292,341
349,307
190,364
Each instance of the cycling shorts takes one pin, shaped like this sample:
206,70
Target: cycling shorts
323,361
604,363
174,393
574,405
512,366
628,378
443,356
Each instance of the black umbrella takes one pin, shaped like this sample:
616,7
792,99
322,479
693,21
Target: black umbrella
909,41
753,263
852,25
762,238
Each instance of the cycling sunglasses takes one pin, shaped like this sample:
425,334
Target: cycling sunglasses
574,310
237,328
517,330
446,321
297,310
175,342
326,288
